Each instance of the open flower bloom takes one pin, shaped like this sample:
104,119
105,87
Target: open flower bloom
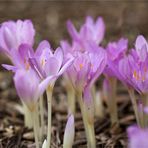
137,137
90,31
132,70
87,67
115,52
13,34
44,62
20,58
29,87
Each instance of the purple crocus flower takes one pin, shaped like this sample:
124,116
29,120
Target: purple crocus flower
20,58
87,67
29,87
46,63
43,61
13,34
137,137
90,31
115,52
132,69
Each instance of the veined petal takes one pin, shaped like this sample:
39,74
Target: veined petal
9,38
44,45
52,66
141,47
59,55
26,83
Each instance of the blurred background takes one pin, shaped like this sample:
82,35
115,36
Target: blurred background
122,17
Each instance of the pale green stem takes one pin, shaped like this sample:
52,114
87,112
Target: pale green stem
146,113
88,124
144,104
41,104
49,103
27,117
35,127
38,121
71,99
135,106
97,103
112,101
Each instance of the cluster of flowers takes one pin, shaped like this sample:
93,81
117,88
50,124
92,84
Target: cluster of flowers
80,62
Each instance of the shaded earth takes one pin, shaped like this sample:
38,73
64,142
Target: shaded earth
13,134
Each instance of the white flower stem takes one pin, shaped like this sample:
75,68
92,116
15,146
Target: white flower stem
27,117
38,121
71,99
49,102
135,106
88,123
97,102
144,104
35,127
41,104
112,101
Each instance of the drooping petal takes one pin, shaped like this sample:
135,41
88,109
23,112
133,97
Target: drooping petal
10,67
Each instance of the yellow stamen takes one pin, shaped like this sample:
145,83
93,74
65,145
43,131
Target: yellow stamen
43,62
135,75
27,66
81,66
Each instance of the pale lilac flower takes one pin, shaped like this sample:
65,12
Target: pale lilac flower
69,132
87,67
48,63
141,46
29,87
20,58
115,52
13,34
90,31
132,70
43,61
137,137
